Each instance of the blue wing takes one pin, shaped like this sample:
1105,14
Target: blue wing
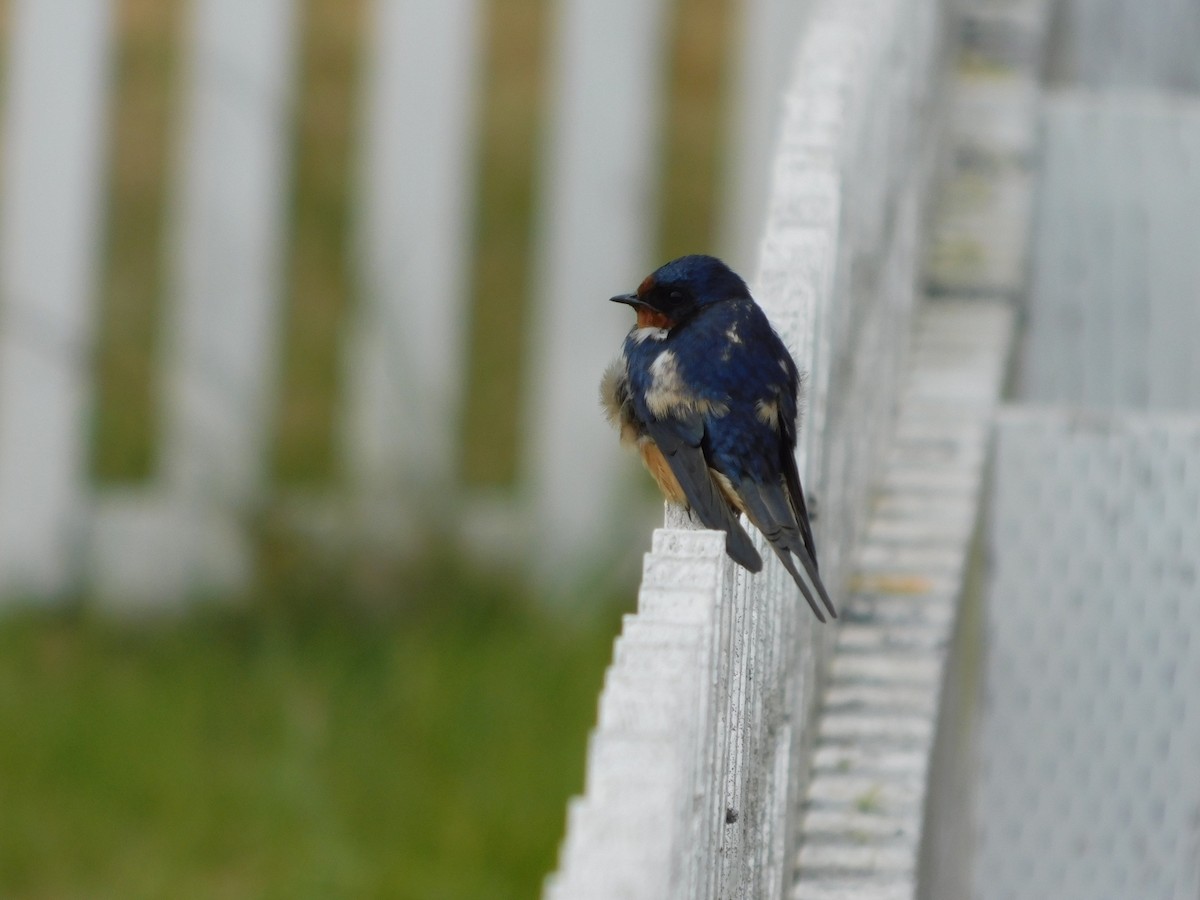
679,440
770,509
753,446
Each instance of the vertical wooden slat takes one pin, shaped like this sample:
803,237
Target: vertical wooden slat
224,325
51,181
597,227
768,32
405,360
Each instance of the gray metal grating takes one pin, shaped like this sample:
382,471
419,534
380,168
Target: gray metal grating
1090,776
1114,304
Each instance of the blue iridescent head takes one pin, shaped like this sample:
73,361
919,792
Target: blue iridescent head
681,288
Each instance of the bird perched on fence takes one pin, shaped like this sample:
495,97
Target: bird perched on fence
708,393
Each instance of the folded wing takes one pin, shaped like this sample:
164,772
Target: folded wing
770,509
678,440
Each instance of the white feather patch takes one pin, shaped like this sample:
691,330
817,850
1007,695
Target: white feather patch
767,412
669,394
640,335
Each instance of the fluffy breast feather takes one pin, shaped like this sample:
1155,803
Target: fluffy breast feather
617,403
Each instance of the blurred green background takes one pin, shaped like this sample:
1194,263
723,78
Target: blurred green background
415,737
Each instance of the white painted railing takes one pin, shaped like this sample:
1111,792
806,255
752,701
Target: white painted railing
698,763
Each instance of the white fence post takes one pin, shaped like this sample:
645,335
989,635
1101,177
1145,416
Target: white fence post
661,736
52,177
222,354
405,359
223,319
768,34
595,237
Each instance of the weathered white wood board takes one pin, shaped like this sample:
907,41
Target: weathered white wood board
52,180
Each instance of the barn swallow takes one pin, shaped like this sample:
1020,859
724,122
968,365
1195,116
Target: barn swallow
707,392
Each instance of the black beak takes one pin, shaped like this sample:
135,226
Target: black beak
628,300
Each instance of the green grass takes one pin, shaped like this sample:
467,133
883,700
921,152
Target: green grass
298,750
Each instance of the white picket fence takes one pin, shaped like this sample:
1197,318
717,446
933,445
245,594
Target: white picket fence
699,761
404,352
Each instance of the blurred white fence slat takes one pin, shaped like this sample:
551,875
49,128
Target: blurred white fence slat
837,277
52,176
766,40
596,239
223,323
404,357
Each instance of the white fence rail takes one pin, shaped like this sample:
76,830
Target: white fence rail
414,158
697,765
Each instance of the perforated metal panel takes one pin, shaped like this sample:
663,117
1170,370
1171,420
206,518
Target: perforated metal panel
1124,43
1090,775
1114,297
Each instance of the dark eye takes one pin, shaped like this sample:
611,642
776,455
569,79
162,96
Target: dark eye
676,295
